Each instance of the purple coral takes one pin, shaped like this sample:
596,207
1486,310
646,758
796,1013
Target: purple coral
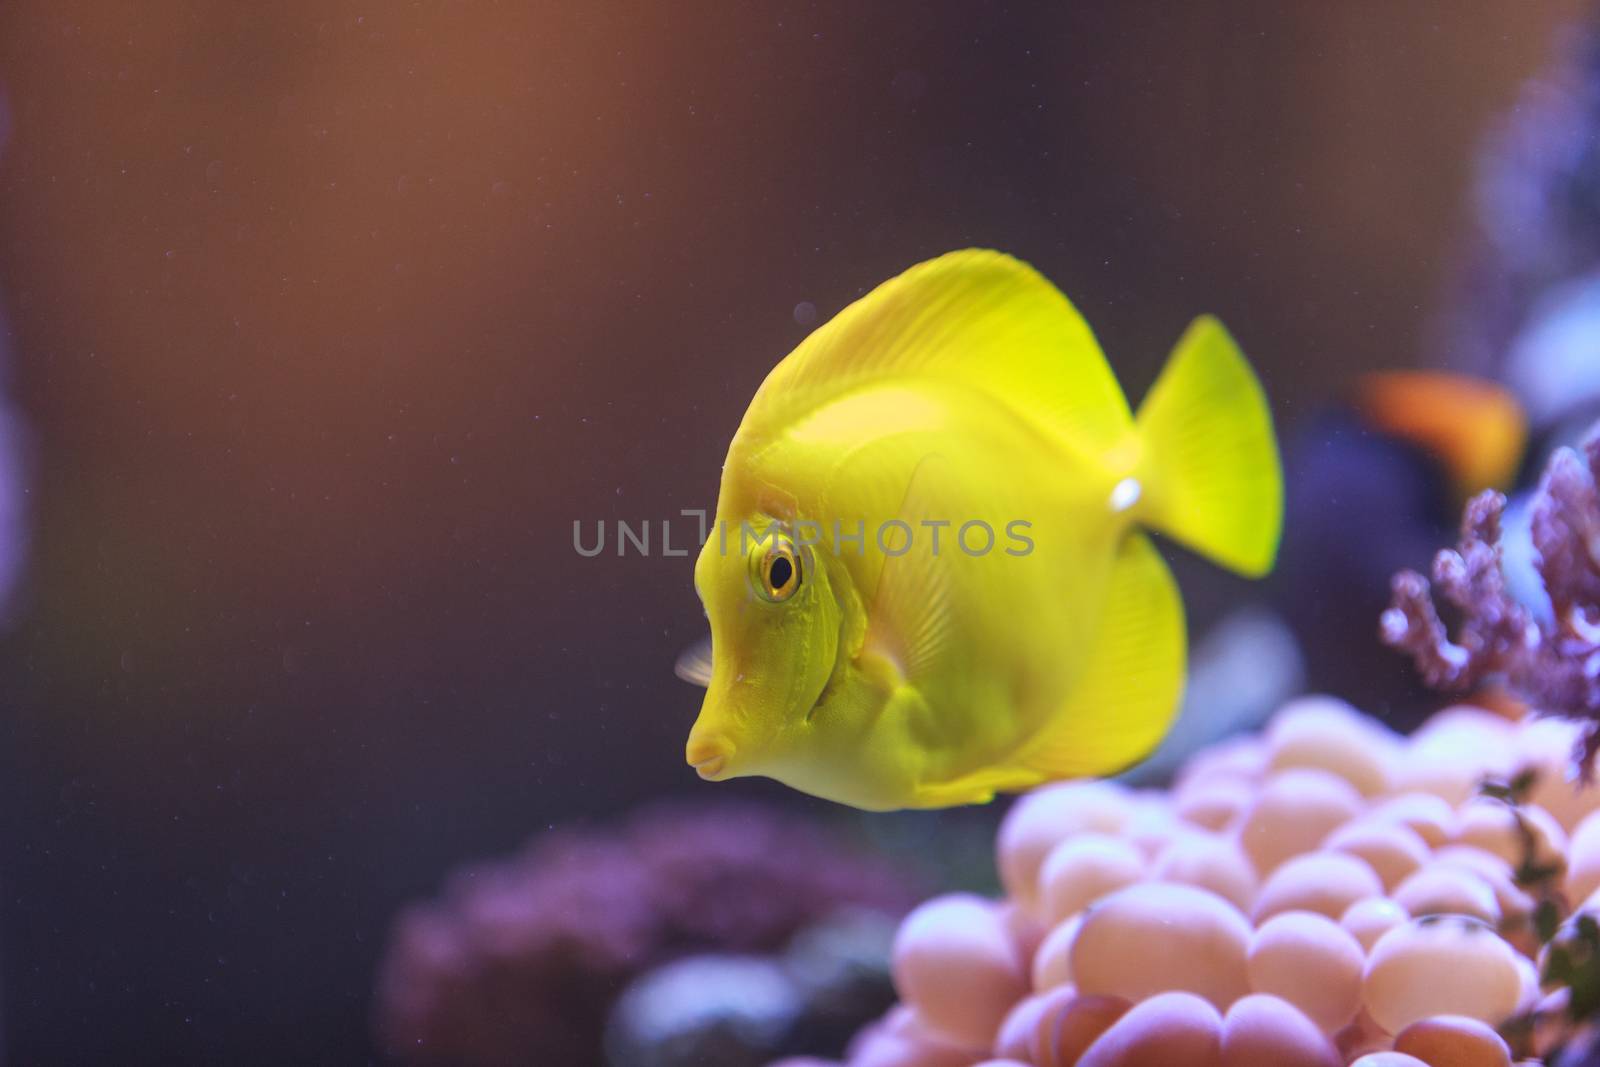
1554,664
520,961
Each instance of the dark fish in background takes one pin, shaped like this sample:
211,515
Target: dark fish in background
1375,486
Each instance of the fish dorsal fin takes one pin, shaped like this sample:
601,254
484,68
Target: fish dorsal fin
978,318
910,616
1121,709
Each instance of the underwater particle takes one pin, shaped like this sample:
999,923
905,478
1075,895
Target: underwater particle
1264,1031
805,313
1445,965
703,1009
1153,937
1311,962
954,963
1455,1040
1168,1028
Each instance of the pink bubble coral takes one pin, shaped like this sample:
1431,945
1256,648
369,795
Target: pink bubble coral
1395,922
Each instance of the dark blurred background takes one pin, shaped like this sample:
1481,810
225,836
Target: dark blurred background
328,321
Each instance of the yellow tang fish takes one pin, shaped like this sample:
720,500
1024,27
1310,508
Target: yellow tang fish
928,581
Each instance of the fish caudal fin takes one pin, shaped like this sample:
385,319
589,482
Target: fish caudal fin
1209,475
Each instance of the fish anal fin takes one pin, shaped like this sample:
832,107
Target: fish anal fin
1124,704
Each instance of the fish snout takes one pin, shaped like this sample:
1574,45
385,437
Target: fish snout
708,754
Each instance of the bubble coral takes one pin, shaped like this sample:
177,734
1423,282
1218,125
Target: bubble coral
1355,905
520,961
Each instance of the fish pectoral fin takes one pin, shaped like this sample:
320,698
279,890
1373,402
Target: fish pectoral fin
880,668
694,663
911,618
1125,703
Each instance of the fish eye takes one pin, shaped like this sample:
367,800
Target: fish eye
778,571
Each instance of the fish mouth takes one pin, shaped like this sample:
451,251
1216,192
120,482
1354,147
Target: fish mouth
708,756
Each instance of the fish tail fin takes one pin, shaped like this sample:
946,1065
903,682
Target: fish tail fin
1209,475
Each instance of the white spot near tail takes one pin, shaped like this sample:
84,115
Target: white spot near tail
1125,494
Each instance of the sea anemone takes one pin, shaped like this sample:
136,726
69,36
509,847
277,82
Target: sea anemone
1326,893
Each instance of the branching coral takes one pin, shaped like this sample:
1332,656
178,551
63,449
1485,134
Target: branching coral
1554,664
